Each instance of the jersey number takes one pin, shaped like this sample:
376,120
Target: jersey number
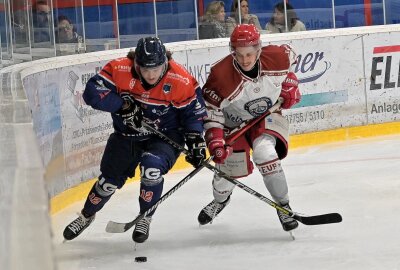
147,196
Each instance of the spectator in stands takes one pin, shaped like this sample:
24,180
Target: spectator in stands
66,32
277,23
213,23
41,13
246,18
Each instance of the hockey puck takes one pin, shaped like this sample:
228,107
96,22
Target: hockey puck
140,259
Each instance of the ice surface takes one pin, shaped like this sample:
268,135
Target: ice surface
359,179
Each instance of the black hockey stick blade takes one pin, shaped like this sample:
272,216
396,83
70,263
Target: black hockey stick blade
318,219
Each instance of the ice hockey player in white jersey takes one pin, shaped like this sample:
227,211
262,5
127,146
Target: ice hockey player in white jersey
243,86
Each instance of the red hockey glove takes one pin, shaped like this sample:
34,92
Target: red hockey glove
290,91
216,145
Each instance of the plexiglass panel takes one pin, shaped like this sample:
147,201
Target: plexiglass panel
392,11
5,28
176,20
101,25
136,20
20,25
249,12
41,20
351,13
212,19
69,30
269,16
314,15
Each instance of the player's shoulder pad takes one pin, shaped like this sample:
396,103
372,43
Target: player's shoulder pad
217,87
182,83
275,57
179,76
223,69
122,64
223,63
119,65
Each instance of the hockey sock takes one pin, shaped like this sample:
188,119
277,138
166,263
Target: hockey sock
150,192
98,196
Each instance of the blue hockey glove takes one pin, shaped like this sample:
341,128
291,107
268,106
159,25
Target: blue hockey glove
131,112
197,148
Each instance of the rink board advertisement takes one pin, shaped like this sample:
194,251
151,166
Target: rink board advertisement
42,90
330,72
44,100
71,135
85,130
382,69
199,61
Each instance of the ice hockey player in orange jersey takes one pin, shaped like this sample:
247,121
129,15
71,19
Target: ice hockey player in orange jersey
147,85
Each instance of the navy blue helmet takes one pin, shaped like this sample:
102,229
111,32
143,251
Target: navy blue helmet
150,52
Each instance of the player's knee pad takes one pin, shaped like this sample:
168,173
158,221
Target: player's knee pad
105,187
222,188
151,182
150,176
264,149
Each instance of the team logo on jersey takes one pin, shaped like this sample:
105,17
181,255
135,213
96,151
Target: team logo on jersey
257,89
167,88
258,106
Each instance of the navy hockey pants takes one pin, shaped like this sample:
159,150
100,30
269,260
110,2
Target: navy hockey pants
121,157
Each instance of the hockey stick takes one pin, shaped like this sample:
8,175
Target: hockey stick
307,220
117,227
120,227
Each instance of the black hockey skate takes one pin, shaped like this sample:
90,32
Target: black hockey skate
208,213
142,229
77,226
288,223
